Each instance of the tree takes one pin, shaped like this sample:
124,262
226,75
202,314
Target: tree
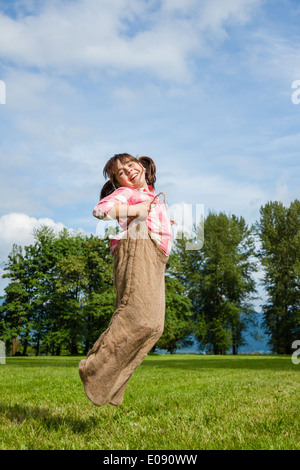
279,233
219,281
15,310
178,323
41,258
85,279
100,292
60,295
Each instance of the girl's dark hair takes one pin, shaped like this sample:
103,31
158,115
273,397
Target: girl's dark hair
110,171
107,189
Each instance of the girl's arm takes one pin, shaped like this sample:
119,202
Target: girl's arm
123,211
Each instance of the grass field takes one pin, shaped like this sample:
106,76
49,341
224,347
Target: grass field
171,402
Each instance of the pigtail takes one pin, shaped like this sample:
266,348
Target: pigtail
107,189
150,167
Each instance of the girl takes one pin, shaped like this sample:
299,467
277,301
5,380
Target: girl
140,252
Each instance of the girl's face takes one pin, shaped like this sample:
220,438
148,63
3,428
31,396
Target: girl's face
131,174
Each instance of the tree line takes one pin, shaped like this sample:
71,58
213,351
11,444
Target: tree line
60,295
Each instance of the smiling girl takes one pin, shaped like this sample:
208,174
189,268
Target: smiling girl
140,254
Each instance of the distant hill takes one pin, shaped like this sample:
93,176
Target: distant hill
259,345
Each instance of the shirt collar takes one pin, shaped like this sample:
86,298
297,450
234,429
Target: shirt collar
150,189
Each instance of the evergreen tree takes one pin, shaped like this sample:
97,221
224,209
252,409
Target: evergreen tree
178,322
219,281
99,292
279,233
60,295
15,310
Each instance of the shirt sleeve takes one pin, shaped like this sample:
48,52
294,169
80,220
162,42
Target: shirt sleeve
119,196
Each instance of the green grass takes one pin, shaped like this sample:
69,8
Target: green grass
171,402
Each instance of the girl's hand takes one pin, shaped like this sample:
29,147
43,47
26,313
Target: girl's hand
131,212
140,210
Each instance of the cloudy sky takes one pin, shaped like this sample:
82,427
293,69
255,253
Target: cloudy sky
204,87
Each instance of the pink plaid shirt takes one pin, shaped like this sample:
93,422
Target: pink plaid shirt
158,221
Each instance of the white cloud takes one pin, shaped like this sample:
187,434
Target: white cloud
62,126
30,90
119,35
17,228
218,193
273,56
216,12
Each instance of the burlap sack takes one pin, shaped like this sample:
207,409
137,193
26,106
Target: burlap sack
138,320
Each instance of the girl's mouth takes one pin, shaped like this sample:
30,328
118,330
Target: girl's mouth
131,179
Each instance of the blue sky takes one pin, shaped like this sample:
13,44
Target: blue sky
203,87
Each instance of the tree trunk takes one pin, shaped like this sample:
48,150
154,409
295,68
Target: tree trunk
74,350
37,349
87,346
217,350
14,346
